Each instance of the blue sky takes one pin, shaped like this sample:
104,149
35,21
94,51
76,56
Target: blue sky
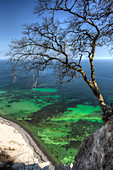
15,13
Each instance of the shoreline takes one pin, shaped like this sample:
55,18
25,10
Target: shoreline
32,143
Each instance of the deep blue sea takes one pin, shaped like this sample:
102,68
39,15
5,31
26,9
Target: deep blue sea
73,89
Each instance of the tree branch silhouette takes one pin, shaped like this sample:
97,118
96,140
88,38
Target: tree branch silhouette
87,24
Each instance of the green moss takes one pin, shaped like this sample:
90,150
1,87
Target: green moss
45,89
80,112
69,156
35,97
64,129
59,135
51,96
58,153
20,109
1,92
21,106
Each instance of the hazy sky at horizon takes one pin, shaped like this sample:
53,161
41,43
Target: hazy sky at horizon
14,14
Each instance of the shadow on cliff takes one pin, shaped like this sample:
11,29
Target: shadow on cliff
7,163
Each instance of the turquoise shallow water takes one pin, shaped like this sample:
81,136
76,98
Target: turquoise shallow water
58,117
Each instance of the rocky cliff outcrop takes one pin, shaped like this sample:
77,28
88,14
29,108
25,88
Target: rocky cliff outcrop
22,166
96,150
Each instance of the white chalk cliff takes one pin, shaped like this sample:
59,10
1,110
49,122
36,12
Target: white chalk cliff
17,146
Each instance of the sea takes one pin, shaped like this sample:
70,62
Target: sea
58,117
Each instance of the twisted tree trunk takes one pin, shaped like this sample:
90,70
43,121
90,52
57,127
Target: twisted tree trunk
107,110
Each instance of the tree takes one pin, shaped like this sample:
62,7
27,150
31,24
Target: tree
62,42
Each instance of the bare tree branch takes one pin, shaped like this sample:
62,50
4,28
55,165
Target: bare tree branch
63,43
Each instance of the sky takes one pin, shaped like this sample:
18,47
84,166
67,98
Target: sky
14,14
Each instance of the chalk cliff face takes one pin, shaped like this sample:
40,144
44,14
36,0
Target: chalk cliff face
96,150
18,150
14,147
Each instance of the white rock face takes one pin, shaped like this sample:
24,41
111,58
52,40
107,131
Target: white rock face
13,144
17,146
